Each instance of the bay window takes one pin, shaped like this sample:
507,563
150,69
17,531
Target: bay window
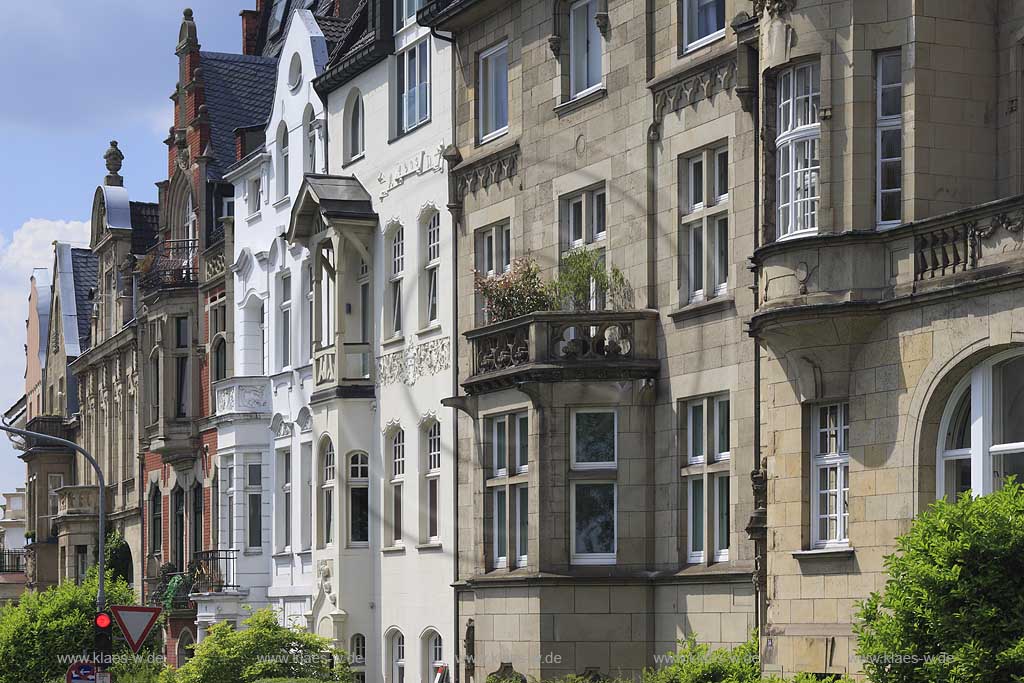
797,146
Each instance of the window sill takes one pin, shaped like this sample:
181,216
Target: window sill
354,160
593,560
491,137
252,552
393,341
432,545
580,101
359,545
699,308
283,201
429,329
393,550
253,217
799,234
836,553
702,42
409,131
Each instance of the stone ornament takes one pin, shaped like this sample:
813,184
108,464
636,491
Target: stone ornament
689,89
409,364
774,8
489,171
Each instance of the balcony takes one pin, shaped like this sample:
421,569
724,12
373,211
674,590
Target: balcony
170,590
215,572
560,346
76,501
356,370
170,264
12,561
948,255
51,425
243,396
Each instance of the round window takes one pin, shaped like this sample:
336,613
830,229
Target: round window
295,71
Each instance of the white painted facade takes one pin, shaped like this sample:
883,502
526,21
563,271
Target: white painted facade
395,591
265,430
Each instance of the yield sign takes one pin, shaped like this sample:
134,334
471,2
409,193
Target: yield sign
135,623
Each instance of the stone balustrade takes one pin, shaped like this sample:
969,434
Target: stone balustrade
239,395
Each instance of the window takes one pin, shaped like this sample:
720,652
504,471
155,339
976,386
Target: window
721,517
521,498
494,249
54,482
797,163
328,295
395,284
255,198
181,386
359,499
358,649
196,523
585,48
282,162
493,92
254,501
889,130
722,435
177,527
500,527
982,429
229,505
277,14
310,299
286,495
397,658
433,476
156,515
397,478
594,522
703,22
704,231
220,360
695,516
310,126
413,74
355,135
431,268
286,321
830,473
695,431
435,655
306,498
585,218
327,476
594,438
405,13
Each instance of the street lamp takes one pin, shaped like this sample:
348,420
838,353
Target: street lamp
101,597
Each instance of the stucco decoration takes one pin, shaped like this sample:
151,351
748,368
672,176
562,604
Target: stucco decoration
421,163
409,364
774,8
491,170
324,574
304,420
280,427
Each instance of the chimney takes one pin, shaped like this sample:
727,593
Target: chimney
113,156
250,30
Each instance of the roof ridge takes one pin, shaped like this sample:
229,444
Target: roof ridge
234,56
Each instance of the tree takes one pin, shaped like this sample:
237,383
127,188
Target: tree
952,609
262,650
43,627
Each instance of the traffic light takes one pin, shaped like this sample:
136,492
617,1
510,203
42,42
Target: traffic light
103,637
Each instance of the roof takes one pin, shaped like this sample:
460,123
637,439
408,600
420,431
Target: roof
270,46
340,196
333,29
86,267
145,217
239,92
41,283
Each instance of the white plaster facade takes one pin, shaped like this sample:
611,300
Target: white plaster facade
395,590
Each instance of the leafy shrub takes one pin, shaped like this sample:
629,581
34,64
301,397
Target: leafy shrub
695,662
954,600
137,672
289,680
584,276
517,292
41,627
262,650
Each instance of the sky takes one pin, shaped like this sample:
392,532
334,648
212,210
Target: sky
75,76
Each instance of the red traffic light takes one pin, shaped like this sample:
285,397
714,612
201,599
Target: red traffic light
102,620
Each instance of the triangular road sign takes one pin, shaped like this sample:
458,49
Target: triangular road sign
135,623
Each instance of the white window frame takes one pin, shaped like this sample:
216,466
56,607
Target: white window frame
593,558
696,202
593,227
396,473
432,476
717,402
691,457
358,649
840,460
500,496
253,491
722,555
689,8
431,269
282,163
790,134
610,465
695,258
522,544
887,123
489,130
694,556
397,657
720,243
287,351
328,476
720,157
285,456
593,36
358,478
520,448
502,420
408,72
405,13
395,294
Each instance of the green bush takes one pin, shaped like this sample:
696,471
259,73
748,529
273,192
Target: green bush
952,609
58,621
517,292
290,680
262,650
584,274
695,662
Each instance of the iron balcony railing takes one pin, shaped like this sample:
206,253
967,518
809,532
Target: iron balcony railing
170,263
215,571
170,590
12,561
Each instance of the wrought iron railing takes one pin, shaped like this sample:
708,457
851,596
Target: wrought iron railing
215,571
170,590
170,263
12,561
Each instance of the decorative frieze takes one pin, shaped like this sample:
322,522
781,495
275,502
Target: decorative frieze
422,163
243,395
410,363
689,88
491,170
774,8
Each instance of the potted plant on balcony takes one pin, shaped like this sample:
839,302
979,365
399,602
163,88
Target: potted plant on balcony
518,291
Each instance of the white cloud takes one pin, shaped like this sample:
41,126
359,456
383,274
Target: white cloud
31,246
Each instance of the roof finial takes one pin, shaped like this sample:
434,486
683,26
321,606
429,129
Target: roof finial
114,157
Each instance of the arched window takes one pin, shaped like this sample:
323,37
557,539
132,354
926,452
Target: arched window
183,651
282,161
156,516
433,654
432,483
355,141
358,649
220,359
397,478
178,528
986,408
397,658
431,266
189,221
328,305
197,518
309,126
797,144
359,498
327,477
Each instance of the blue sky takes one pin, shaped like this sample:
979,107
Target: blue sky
77,75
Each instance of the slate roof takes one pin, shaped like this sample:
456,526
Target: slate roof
341,196
145,224
333,29
239,91
85,268
271,45
352,36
